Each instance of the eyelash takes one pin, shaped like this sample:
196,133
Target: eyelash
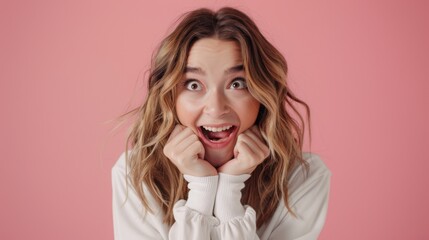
187,83
239,79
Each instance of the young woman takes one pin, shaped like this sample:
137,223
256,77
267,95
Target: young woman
215,152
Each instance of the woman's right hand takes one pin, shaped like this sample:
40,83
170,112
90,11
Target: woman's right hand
185,150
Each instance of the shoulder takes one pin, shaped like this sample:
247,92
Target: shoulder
132,220
121,171
121,168
308,191
306,176
120,164
316,165
120,178
313,167
123,187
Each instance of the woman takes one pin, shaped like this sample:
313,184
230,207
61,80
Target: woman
215,152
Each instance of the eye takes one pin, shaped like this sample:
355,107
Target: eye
193,85
238,83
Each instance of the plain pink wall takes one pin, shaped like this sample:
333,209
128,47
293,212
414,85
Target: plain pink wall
67,67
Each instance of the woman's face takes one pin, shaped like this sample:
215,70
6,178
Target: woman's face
213,99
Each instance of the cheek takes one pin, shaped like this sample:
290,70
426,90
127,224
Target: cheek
187,111
248,112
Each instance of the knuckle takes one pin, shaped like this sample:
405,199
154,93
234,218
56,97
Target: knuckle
180,160
194,137
198,145
253,161
167,150
240,137
240,144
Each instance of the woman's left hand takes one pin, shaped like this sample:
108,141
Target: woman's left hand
249,151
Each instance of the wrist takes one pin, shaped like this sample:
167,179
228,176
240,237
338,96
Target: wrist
228,197
202,192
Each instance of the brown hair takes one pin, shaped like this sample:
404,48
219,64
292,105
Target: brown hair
265,69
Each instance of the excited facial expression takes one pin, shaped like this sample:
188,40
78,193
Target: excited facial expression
213,99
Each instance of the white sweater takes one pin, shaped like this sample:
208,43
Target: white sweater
213,209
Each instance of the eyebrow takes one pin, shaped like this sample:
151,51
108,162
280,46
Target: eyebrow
200,71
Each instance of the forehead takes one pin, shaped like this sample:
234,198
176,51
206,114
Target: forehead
211,51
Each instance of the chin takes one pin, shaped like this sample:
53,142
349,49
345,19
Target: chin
218,157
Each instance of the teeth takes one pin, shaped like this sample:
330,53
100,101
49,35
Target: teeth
213,129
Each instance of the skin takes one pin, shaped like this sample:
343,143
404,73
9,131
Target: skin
214,93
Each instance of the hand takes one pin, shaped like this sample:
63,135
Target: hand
184,150
249,151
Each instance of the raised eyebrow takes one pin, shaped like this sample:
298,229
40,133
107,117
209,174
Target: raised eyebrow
235,69
196,70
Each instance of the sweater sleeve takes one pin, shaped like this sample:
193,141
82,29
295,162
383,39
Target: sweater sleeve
236,221
194,219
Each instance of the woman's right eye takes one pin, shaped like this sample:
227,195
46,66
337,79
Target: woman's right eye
193,85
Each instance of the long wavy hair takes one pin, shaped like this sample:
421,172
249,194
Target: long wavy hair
279,118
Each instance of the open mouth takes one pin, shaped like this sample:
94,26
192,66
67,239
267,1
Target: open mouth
217,134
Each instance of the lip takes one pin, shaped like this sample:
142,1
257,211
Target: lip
218,144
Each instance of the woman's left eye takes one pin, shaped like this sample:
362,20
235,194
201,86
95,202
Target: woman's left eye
193,85
238,83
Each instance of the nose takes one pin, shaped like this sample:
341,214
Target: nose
216,104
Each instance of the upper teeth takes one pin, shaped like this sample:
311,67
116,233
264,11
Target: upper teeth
220,129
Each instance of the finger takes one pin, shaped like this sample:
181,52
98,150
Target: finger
255,148
247,158
185,143
177,129
256,135
196,149
251,140
242,139
173,146
181,135
255,130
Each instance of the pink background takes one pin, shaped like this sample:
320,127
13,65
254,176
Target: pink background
68,67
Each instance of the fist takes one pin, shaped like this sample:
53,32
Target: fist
249,151
186,152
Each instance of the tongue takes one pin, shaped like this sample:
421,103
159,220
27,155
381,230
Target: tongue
217,135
